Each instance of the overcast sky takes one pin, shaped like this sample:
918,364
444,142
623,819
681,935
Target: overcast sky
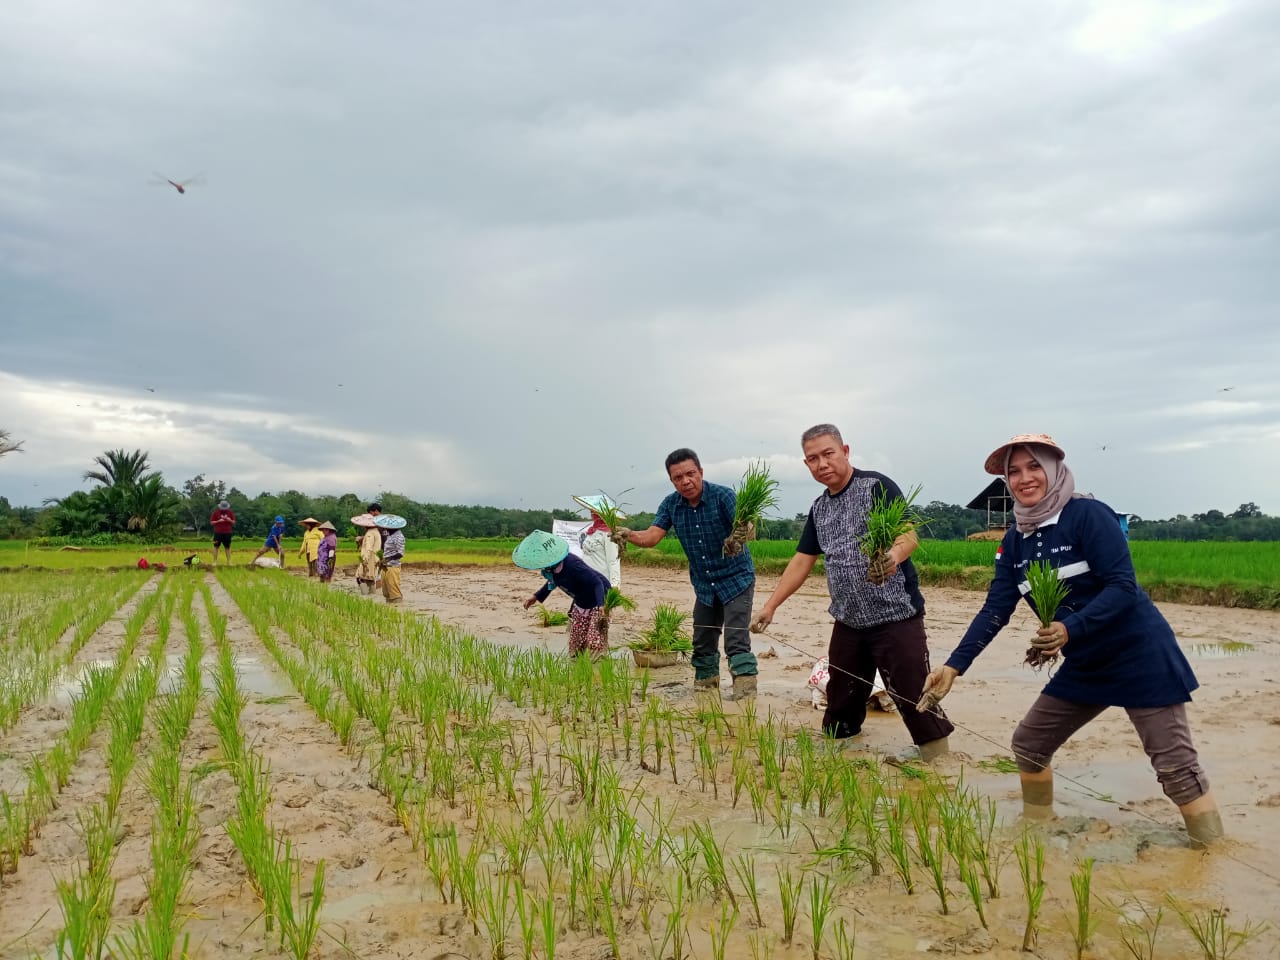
504,253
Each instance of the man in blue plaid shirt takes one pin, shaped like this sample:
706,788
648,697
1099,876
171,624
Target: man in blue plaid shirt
702,515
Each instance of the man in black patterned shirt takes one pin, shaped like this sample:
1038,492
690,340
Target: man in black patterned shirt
879,612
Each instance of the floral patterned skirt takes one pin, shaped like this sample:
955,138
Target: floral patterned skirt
584,631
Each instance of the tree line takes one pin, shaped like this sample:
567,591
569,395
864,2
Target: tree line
128,500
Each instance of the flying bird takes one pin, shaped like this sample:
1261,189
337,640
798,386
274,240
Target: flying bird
151,389
179,185
1225,389
1103,446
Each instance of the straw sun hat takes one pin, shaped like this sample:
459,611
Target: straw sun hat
539,550
308,520
327,525
364,520
995,461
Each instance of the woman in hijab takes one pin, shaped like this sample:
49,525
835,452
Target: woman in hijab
1116,648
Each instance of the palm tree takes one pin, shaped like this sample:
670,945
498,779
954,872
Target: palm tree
151,505
8,446
119,469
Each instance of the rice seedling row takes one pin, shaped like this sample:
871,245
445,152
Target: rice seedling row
22,815
88,894
37,655
291,906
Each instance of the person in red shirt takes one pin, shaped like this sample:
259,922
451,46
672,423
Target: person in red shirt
222,520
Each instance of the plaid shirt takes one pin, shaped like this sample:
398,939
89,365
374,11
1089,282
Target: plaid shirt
702,531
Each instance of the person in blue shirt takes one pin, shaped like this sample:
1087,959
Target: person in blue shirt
587,587
702,515
1114,646
274,541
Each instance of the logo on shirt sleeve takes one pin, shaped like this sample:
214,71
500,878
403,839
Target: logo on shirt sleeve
999,552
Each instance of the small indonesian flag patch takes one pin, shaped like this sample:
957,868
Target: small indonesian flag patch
999,552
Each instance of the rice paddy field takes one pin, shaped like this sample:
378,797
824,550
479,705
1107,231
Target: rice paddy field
1215,573
243,762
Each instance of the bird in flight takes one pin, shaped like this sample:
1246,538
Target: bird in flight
1225,389
179,185
151,389
1103,446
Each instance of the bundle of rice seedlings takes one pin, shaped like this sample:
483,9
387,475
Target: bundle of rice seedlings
551,618
666,634
757,493
1047,593
614,599
888,519
607,510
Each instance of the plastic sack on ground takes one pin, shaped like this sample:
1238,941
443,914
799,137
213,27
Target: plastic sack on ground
821,674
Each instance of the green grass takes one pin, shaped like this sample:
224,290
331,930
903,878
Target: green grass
1207,572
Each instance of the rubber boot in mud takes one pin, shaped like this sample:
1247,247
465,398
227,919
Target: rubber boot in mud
744,688
1204,829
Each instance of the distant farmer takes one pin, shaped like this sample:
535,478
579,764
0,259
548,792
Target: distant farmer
327,552
370,548
223,521
311,537
1116,649
274,541
702,515
549,554
879,625
392,555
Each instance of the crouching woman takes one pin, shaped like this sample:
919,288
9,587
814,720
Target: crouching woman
1116,648
550,555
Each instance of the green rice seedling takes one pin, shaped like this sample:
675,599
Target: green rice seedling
931,848
708,765
821,903
845,940
715,876
550,618
986,854
1047,593
896,816
889,519
972,880
1213,932
550,927
666,634
527,916
298,910
781,810
1030,854
675,930
1138,933
495,912
860,808
761,945
86,901
720,931
756,493
610,919
1085,923
744,866
790,889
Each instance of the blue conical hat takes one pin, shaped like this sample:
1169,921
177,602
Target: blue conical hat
539,550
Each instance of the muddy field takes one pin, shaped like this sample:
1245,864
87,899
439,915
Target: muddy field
380,899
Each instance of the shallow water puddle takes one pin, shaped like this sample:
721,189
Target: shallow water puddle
1220,649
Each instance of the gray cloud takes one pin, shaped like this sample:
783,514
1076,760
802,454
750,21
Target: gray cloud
551,246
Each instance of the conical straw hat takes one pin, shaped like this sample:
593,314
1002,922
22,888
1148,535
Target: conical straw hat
539,550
